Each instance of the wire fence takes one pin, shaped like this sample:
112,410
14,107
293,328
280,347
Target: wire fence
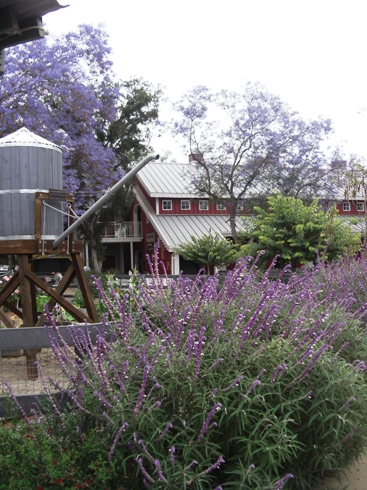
14,373
15,366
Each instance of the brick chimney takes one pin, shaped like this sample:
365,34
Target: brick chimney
196,157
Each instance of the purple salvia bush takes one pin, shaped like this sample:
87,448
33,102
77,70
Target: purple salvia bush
157,372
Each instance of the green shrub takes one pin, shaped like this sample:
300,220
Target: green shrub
247,386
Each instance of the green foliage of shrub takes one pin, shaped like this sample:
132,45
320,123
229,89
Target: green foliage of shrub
37,455
255,385
297,232
208,251
78,299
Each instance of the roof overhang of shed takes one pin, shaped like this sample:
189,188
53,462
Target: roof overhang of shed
21,20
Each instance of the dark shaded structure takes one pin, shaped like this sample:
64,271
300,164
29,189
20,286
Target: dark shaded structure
21,22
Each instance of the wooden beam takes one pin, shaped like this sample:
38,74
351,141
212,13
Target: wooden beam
35,247
13,309
38,216
84,287
8,323
61,288
64,303
25,289
9,288
24,263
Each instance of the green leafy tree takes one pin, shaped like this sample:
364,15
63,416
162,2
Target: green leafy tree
130,134
298,232
208,251
129,138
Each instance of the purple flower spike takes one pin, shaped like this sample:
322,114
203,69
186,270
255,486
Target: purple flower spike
144,472
205,426
159,470
120,431
213,467
166,429
280,483
172,455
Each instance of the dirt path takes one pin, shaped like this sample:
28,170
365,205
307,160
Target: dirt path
355,478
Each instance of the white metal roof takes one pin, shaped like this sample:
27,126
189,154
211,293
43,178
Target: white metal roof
24,137
177,229
166,180
172,180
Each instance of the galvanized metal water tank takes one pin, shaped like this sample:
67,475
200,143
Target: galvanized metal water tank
28,164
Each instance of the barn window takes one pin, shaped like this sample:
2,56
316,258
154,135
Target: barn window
167,205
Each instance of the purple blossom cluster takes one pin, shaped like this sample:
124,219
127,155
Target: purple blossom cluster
191,358
73,113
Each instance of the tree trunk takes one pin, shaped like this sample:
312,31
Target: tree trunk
96,262
232,222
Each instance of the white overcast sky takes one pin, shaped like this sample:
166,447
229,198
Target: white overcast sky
312,54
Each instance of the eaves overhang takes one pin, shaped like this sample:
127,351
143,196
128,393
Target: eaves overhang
21,20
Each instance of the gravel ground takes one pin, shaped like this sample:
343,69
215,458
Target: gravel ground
13,371
355,478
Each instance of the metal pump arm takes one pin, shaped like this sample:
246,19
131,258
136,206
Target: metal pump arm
127,178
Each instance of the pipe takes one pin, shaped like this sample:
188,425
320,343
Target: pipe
125,179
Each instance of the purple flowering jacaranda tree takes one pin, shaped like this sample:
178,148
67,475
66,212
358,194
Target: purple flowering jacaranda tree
65,90
250,144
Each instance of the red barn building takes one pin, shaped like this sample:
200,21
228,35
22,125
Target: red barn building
166,213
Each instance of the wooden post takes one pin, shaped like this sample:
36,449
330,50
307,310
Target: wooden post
28,311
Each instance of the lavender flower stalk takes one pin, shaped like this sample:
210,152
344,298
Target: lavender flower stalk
206,423
166,429
159,470
117,437
280,483
144,472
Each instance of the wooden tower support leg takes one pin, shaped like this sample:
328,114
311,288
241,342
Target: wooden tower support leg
28,306
84,288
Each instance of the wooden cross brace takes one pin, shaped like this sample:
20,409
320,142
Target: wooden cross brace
27,281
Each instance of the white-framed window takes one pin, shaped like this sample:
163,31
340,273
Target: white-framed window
185,204
346,206
360,206
203,205
166,205
220,207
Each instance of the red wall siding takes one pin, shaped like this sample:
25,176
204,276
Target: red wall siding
150,199
353,209
164,255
